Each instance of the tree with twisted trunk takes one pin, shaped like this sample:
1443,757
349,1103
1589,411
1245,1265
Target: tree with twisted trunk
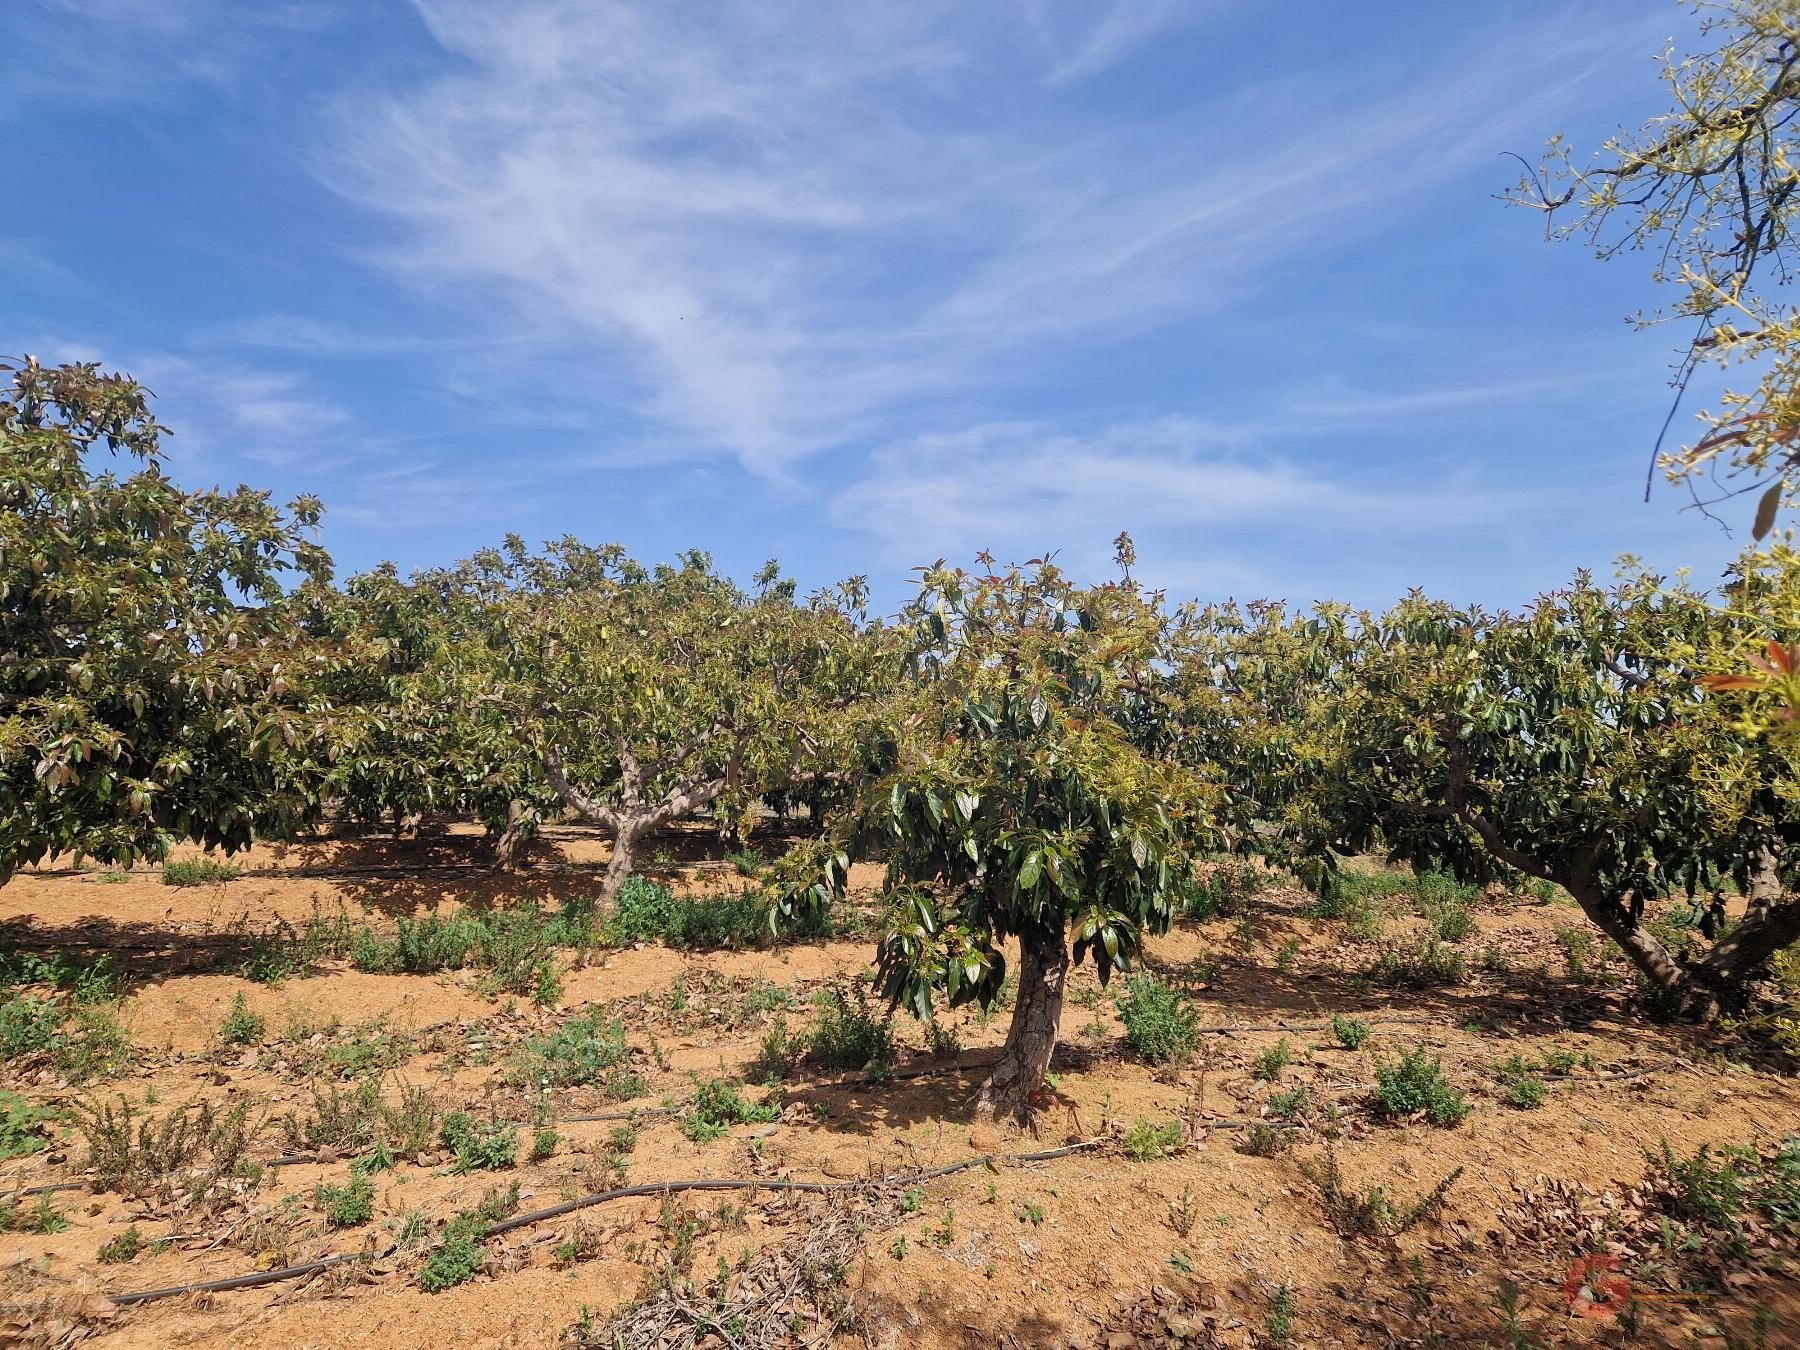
641,696
1004,787
1575,742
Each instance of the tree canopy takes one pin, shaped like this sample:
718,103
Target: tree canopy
153,677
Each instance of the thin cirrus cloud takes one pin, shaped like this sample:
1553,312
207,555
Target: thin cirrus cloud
795,229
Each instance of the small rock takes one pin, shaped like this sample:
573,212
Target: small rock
845,1165
764,1131
984,1137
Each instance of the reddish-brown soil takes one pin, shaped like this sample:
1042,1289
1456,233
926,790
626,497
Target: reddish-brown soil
1089,1249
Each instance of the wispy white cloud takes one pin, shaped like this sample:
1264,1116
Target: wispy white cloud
779,230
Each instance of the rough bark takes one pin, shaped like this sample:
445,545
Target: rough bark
633,816
1771,921
512,838
1031,1039
619,867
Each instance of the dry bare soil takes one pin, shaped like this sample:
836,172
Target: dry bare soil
1212,1234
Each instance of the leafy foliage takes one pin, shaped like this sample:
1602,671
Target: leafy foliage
156,685
1161,1023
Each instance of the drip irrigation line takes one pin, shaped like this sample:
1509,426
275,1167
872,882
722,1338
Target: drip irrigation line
1660,1065
235,1281
518,1221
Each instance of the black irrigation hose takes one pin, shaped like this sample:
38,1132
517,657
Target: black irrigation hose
47,1190
623,1193
235,1281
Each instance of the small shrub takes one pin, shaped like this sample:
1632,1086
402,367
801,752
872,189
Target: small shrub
241,1026
350,1205
850,1036
125,1247
1262,1140
199,872
776,1054
132,1154
1147,1141
543,1143
1351,1032
1161,1024
460,1255
717,1104
22,1126
1449,918
1289,1105
479,1147
1415,1084
1269,1063
1526,1093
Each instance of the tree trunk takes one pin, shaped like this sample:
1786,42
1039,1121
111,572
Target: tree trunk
619,868
1771,921
1030,1040
519,826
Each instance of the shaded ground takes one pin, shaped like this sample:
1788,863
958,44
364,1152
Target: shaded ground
1090,1249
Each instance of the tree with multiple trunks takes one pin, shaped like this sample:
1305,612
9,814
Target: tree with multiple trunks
645,695
1006,790
154,684
1710,189
1571,742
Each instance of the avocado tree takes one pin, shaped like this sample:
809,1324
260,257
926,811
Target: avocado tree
1006,791
153,685
1571,742
644,695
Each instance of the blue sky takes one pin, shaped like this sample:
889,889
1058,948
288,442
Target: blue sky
857,286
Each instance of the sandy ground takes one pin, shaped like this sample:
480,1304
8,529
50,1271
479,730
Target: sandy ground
1089,1249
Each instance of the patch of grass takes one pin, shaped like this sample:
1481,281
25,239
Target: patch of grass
1269,1063
242,1026
749,862
1414,1084
42,1217
1423,963
1161,1023
1351,1032
514,946
575,1054
1526,1094
479,1146
1370,1213
199,872
79,1040
847,1033
647,911
282,951
1146,1141
1721,1183
1224,892
360,1118
349,1205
